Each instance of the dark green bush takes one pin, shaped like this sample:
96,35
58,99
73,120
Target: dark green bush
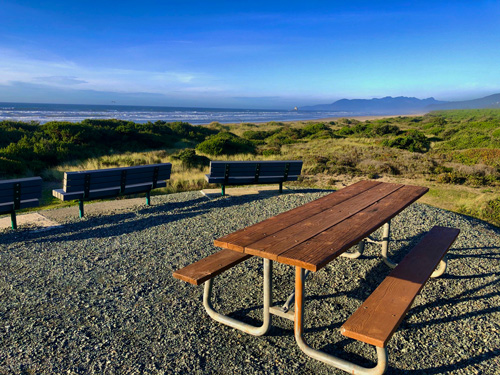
259,134
189,159
226,143
384,129
413,141
311,129
284,136
270,151
345,130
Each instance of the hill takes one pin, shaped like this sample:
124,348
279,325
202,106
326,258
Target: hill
402,105
377,106
491,101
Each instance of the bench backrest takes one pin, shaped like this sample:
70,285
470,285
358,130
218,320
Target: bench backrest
285,169
116,177
20,193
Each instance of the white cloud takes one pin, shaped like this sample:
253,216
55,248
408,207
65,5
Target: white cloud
60,80
15,67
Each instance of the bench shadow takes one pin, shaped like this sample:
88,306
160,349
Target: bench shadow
91,227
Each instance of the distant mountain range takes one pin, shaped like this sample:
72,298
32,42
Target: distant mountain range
401,105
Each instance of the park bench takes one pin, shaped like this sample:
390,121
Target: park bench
106,183
376,320
253,172
18,194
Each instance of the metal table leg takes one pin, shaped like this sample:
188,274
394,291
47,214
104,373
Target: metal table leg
441,268
385,245
319,355
245,327
355,254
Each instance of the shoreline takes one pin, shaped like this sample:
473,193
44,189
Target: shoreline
358,118
370,117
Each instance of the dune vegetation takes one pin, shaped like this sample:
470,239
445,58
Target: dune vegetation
455,153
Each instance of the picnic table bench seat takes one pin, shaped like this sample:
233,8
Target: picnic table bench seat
112,182
253,172
376,320
19,193
207,268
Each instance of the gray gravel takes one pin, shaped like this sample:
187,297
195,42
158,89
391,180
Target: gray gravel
97,296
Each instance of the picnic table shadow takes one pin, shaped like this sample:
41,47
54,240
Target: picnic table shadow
91,227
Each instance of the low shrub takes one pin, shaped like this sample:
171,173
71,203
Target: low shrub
189,159
413,141
258,134
225,143
492,211
311,129
270,151
384,129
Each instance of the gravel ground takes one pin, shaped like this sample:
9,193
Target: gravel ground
97,295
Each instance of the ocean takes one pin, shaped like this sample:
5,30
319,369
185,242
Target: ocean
43,113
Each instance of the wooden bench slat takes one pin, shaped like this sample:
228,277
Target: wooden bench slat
268,170
7,206
72,179
106,192
379,316
240,239
218,163
24,190
209,267
108,183
332,242
136,169
249,180
25,182
24,195
272,246
251,173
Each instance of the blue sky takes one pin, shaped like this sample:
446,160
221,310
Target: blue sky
238,54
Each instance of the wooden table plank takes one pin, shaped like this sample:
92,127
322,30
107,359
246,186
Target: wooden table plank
279,242
327,245
238,240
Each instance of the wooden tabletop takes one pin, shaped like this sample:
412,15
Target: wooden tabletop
312,235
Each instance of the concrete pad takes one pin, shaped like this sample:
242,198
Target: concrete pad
32,220
245,190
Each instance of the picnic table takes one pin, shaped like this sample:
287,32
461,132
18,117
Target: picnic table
308,238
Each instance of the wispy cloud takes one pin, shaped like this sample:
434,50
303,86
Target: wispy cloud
60,80
15,67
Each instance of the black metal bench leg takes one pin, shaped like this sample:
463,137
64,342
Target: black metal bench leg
148,198
13,219
80,208
223,190
281,187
